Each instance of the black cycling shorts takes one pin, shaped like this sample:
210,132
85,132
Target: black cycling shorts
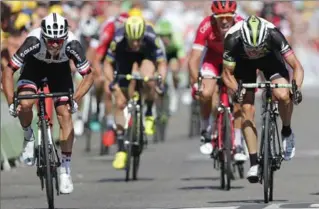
59,78
171,55
272,65
124,64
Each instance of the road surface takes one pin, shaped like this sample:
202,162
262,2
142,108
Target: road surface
176,175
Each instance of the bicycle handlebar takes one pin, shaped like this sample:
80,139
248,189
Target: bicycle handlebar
42,95
266,85
136,77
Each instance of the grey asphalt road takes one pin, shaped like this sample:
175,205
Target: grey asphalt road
176,175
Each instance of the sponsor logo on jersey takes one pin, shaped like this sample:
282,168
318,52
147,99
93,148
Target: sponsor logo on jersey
75,54
25,52
204,28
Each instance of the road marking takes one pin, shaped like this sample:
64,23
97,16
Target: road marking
314,206
232,207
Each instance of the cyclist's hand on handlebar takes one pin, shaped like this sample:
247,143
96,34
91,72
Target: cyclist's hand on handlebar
239,95
12,111
297,97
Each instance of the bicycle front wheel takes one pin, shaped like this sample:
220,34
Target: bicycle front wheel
47,165
266,165
227,150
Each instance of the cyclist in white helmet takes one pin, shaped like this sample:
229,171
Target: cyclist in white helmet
46,53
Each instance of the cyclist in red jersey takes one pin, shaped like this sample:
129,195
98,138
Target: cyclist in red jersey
106,35
210,37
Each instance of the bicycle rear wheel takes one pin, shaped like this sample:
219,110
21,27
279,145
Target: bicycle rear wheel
47,164
266,165
227,150
88,132
104,150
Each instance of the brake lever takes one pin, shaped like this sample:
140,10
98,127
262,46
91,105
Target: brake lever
199,82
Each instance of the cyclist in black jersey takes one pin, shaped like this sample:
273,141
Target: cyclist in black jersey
46,53
257,44
134,48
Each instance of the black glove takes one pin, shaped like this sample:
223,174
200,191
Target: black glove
297,98
239,95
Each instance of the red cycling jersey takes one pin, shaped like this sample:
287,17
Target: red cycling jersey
107,32
208,36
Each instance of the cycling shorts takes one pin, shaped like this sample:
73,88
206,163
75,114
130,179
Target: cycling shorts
59,78
272,65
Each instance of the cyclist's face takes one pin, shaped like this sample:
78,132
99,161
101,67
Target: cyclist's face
224,22
166,39
54,45
135,45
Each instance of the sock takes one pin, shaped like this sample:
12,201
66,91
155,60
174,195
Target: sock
238,137
253,159
149,106
28,133
66,161
110,121
204,123
286,131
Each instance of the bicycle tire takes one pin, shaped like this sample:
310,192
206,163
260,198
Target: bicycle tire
46,159
266,164
227,150
137,147
240,167
221,159
272,131
88,128
129,146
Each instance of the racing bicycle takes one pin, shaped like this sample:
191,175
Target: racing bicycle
270,150
47,157
223,137
134,136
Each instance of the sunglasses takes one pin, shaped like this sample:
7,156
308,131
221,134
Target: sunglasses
54,41
228,17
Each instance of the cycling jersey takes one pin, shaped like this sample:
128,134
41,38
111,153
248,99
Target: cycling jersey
106,33
234,47
152,46
34,46
208,36
175,49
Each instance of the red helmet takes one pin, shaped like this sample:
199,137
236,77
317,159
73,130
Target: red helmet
122,17
222,7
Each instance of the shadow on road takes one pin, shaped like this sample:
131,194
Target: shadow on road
207,188
123,180
55,208
200,179
261,201
21,197
314,193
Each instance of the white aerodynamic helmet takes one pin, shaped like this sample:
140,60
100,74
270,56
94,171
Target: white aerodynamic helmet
54,26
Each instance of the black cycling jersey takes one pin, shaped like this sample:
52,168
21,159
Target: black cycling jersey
234,47
35,46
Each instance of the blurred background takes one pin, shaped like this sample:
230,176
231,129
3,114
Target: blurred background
298,21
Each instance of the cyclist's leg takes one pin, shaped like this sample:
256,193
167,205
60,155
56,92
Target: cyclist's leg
147,68
246,71
174,66
207,99
60,80
278,73
27,84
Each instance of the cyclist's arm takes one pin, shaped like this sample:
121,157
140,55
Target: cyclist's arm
75,52
229,62
108,63
197,51
282,45
161,58
30,46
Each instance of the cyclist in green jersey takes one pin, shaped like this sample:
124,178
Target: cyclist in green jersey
174,54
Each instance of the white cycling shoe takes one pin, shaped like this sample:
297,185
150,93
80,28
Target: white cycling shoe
252,174
65,182
289,146
27,155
